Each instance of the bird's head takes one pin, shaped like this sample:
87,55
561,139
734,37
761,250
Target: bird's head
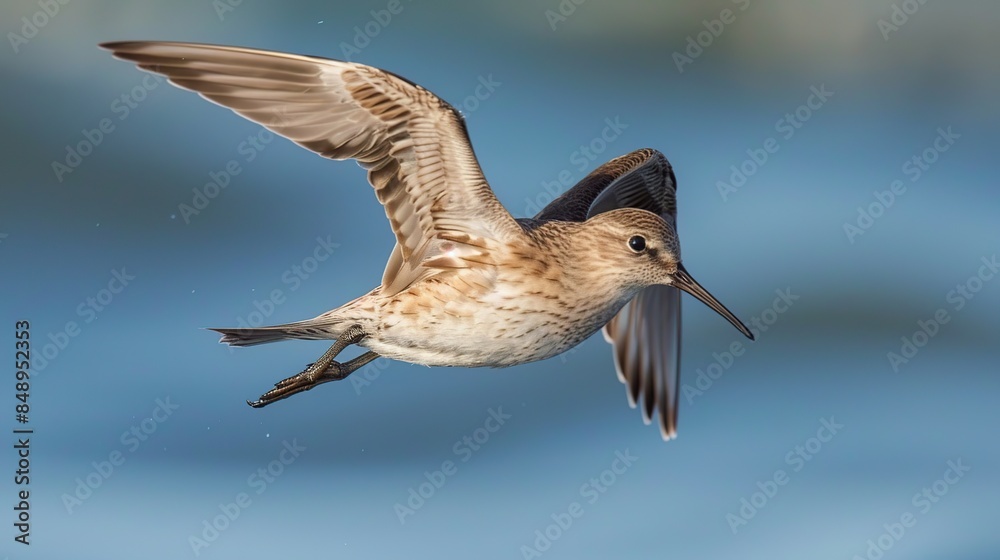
641,249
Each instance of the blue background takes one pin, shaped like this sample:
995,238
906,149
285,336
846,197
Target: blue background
368,444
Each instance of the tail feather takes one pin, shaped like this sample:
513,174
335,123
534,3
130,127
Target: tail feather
305,330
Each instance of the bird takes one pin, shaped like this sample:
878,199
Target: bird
466,283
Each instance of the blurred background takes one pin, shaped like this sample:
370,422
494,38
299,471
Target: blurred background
835,189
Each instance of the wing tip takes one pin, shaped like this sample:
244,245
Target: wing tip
668,424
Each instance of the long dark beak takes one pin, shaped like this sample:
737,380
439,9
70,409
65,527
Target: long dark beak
684,281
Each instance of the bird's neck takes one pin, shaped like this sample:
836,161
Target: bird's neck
577,266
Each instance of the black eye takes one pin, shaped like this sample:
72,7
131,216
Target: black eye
637,243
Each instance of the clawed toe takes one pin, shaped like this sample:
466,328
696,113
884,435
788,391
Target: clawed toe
298,383
323,370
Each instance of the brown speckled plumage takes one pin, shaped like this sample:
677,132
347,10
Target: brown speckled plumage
466,284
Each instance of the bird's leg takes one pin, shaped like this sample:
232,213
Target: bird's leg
325,369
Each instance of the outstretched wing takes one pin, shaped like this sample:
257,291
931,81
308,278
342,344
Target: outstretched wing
646,333
414,145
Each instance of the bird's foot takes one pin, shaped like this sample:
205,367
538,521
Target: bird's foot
304,381
323,371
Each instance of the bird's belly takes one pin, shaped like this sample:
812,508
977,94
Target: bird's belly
494,330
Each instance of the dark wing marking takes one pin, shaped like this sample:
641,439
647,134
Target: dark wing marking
645,334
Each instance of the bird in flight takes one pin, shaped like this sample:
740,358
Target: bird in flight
466,284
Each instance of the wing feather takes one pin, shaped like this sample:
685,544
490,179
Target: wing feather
414,145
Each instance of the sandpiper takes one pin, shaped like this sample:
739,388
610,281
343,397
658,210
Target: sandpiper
466,284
